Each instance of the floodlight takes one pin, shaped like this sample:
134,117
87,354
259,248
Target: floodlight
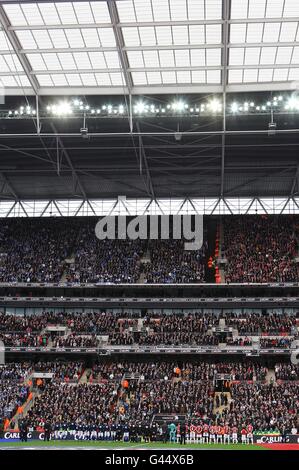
178,106
140,107
234,107
62,109
215,106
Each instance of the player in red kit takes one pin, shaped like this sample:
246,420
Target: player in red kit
226,436
235,435
249,434
212,434
243,435
206,433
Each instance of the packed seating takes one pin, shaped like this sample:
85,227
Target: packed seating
90,329
69,371
282,343
176,339
267,406
75,404
287,372
24,339
104,261
132,392
242,341
260,249
257,249
256,323
33,250
75,341
170,263
13,390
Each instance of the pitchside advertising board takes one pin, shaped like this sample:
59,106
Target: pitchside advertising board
86,436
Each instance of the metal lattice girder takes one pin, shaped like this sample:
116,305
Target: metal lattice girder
132,207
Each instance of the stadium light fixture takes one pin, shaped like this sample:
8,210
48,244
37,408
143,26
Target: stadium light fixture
234,107
63,108
178,106
215,106
292,104
139,108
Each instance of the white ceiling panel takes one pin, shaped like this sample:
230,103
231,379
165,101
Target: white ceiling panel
213,56
235,76
254,32
271,32
252,55
198,76
154,78
182,58
14,81
274,8
284,55
265,75
165,42
74,79
167,58
280,75
268,55
151,59
237,33
139,78
213,76
291,9
250,75
169,77
293,74
198,57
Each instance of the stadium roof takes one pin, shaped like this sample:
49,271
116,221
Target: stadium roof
148,46
121,51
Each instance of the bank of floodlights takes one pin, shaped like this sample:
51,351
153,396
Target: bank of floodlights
141,108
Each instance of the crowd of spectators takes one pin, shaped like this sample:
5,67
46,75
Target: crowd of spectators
69,371
242,341
128,392
74,404
179,338
128,328
75,341
243,371
257,248
182,323
260,249
258,324
287,372
104,261
283,343
268,406
171,263
34,250
24,340
13,390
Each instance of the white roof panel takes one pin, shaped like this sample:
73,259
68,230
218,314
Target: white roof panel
172,42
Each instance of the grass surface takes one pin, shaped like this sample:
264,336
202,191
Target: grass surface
124,445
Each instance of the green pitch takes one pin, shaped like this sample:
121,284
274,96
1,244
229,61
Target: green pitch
123,445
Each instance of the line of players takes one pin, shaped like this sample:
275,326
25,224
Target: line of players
178,433
218,434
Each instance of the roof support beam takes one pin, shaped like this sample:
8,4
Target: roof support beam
17,48
295,185
9,186
225,33
154,89
129,84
